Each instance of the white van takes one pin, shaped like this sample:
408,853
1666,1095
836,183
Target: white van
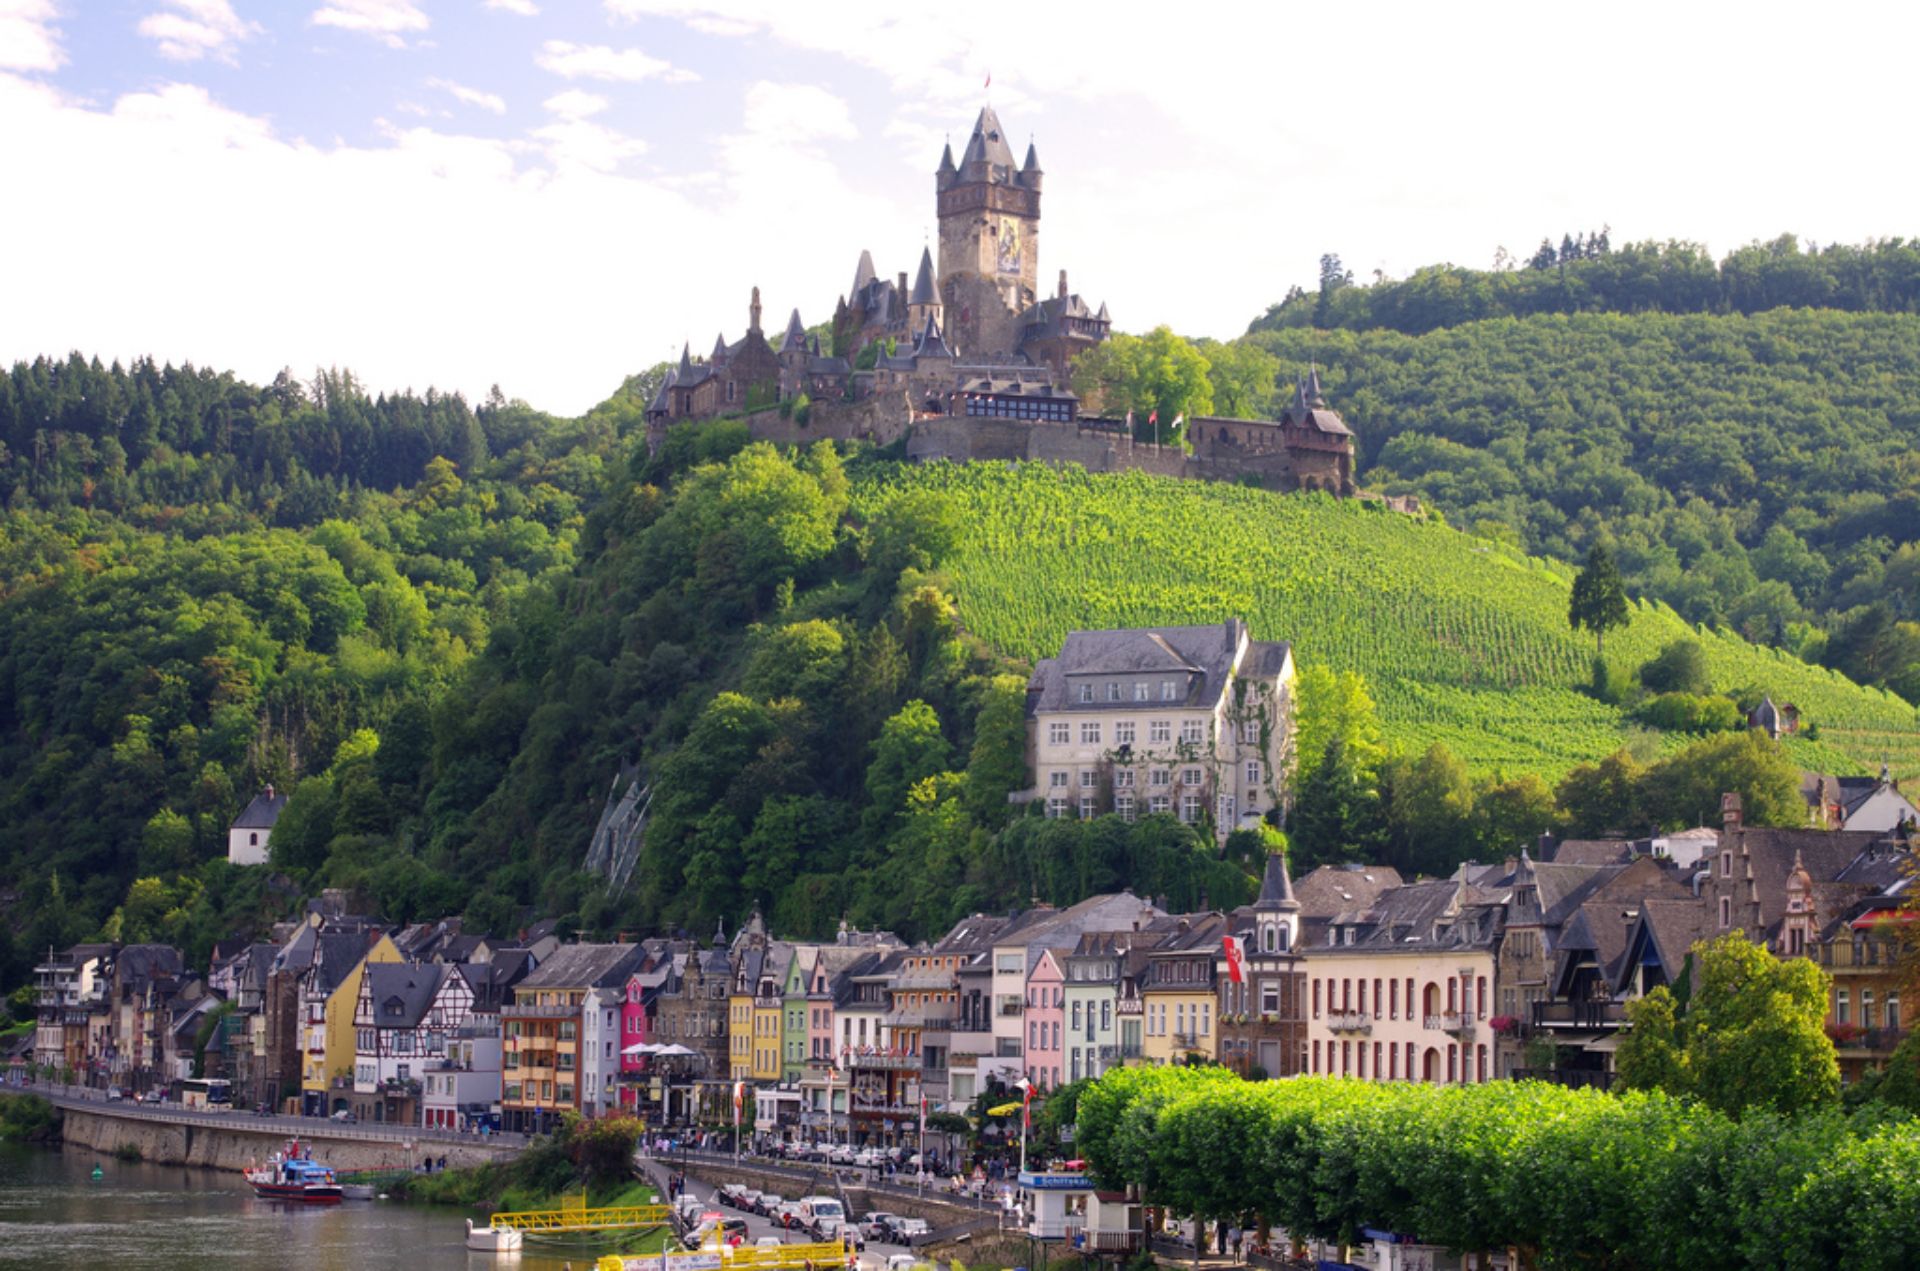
815,1210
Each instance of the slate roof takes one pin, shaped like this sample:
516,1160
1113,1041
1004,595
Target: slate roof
1592,852
400,992
930,344
1334,890
864,272
588,966
1205,655
988,144
796,337
1418,917
1276,887
924,292
262,812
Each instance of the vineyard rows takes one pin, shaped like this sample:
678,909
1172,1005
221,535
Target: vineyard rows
1464,642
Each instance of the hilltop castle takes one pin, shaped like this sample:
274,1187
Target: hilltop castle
969,362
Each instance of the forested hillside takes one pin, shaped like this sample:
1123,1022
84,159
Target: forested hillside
1744,434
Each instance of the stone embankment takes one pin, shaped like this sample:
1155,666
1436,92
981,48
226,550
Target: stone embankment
230,1142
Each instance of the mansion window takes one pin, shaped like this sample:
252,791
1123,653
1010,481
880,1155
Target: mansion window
1167,690
1123,778
1192,730
1189,776
1086,807
1159,730
1113,691
1090,734
1123,733
1190,808
1225,811
1140,691
1159,803
1253,772
1056,808
1250,732
1089,779
1123,804
1058,734
1057,780
1160,777
1086,692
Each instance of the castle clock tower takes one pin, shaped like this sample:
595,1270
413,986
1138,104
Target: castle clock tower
989,211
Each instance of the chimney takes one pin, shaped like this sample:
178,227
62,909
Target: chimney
269,790
1730,810
903,287
753,311
1063,284
1545,845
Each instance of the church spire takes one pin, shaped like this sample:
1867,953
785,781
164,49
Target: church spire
796,337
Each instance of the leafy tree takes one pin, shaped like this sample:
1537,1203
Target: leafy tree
1330,704
1337,815
1751,1039
1599,599
1679,667
1155,374
997,764
1684,788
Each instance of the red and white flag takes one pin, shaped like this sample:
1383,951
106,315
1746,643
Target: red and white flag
989,83
1236,958
1025,1088
739,1099
1178,420
1153,420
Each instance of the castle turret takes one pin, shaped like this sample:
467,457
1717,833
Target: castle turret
1030,173
719,357
863,273
923,302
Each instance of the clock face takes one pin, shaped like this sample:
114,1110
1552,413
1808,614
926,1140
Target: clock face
1009,236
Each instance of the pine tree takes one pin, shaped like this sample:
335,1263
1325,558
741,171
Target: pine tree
1599,601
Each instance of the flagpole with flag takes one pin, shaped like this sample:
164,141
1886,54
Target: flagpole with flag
920,1184
1025,1087
739,1097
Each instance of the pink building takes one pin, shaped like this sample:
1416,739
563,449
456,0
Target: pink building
1046,1019
633,1032
819,1009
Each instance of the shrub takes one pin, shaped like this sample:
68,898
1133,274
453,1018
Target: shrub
1689,713
1680,667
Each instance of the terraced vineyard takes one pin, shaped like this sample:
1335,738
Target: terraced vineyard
1464,642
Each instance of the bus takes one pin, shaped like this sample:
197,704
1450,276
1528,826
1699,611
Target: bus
214,1094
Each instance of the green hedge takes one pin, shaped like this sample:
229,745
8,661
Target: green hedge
1567,1176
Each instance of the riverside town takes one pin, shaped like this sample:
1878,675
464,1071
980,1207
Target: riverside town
1275,762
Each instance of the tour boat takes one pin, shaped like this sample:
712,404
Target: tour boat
289,1175
491,1239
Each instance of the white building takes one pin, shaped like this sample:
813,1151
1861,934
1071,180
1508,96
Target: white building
247,836
600,1050
1196,722
463,1086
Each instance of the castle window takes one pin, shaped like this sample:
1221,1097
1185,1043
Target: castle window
1189,776
1058,780
1190,808
1726,912
1086,807
1159,803
1161,778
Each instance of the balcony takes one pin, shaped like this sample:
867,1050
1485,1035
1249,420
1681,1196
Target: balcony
1579,1015
1854,1041
1450,1022
1011,1009
529,1011
1576,1078
880,1059
1350,1022
1189,1041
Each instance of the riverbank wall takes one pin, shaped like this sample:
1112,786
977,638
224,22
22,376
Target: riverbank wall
218,1146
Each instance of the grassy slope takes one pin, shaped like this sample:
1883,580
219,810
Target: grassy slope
1464,642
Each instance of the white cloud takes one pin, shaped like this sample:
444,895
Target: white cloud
388,21
29,41
597,61
471,96
188,30
525,8
796,114
575,103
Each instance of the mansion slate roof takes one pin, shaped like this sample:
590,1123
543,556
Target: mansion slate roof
587,966
1205,655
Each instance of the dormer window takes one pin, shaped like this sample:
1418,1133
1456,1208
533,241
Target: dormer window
1086,692
1140,691
1349,936
1113,690
1167,691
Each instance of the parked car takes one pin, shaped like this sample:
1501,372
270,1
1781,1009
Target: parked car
766,1203
768,1242
876,1225
345,1115
787,1216
115,1094
906,1230
153,1096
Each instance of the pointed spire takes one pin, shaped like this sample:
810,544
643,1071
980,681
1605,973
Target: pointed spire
1033,159
720,347
924,292
720,933
1276,887
946,160
796,338
1312,386
686,360
930,344
1102,316
863,273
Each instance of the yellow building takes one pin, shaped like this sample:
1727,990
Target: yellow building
1177,995
329,991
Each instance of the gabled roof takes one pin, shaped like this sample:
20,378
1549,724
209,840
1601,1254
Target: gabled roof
262,812
1204,656
1333,890
400,992
930,344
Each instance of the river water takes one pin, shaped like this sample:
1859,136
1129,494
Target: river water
143,1217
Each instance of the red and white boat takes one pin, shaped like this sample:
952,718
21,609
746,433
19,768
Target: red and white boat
290,1175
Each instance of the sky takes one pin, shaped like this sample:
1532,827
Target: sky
549,196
